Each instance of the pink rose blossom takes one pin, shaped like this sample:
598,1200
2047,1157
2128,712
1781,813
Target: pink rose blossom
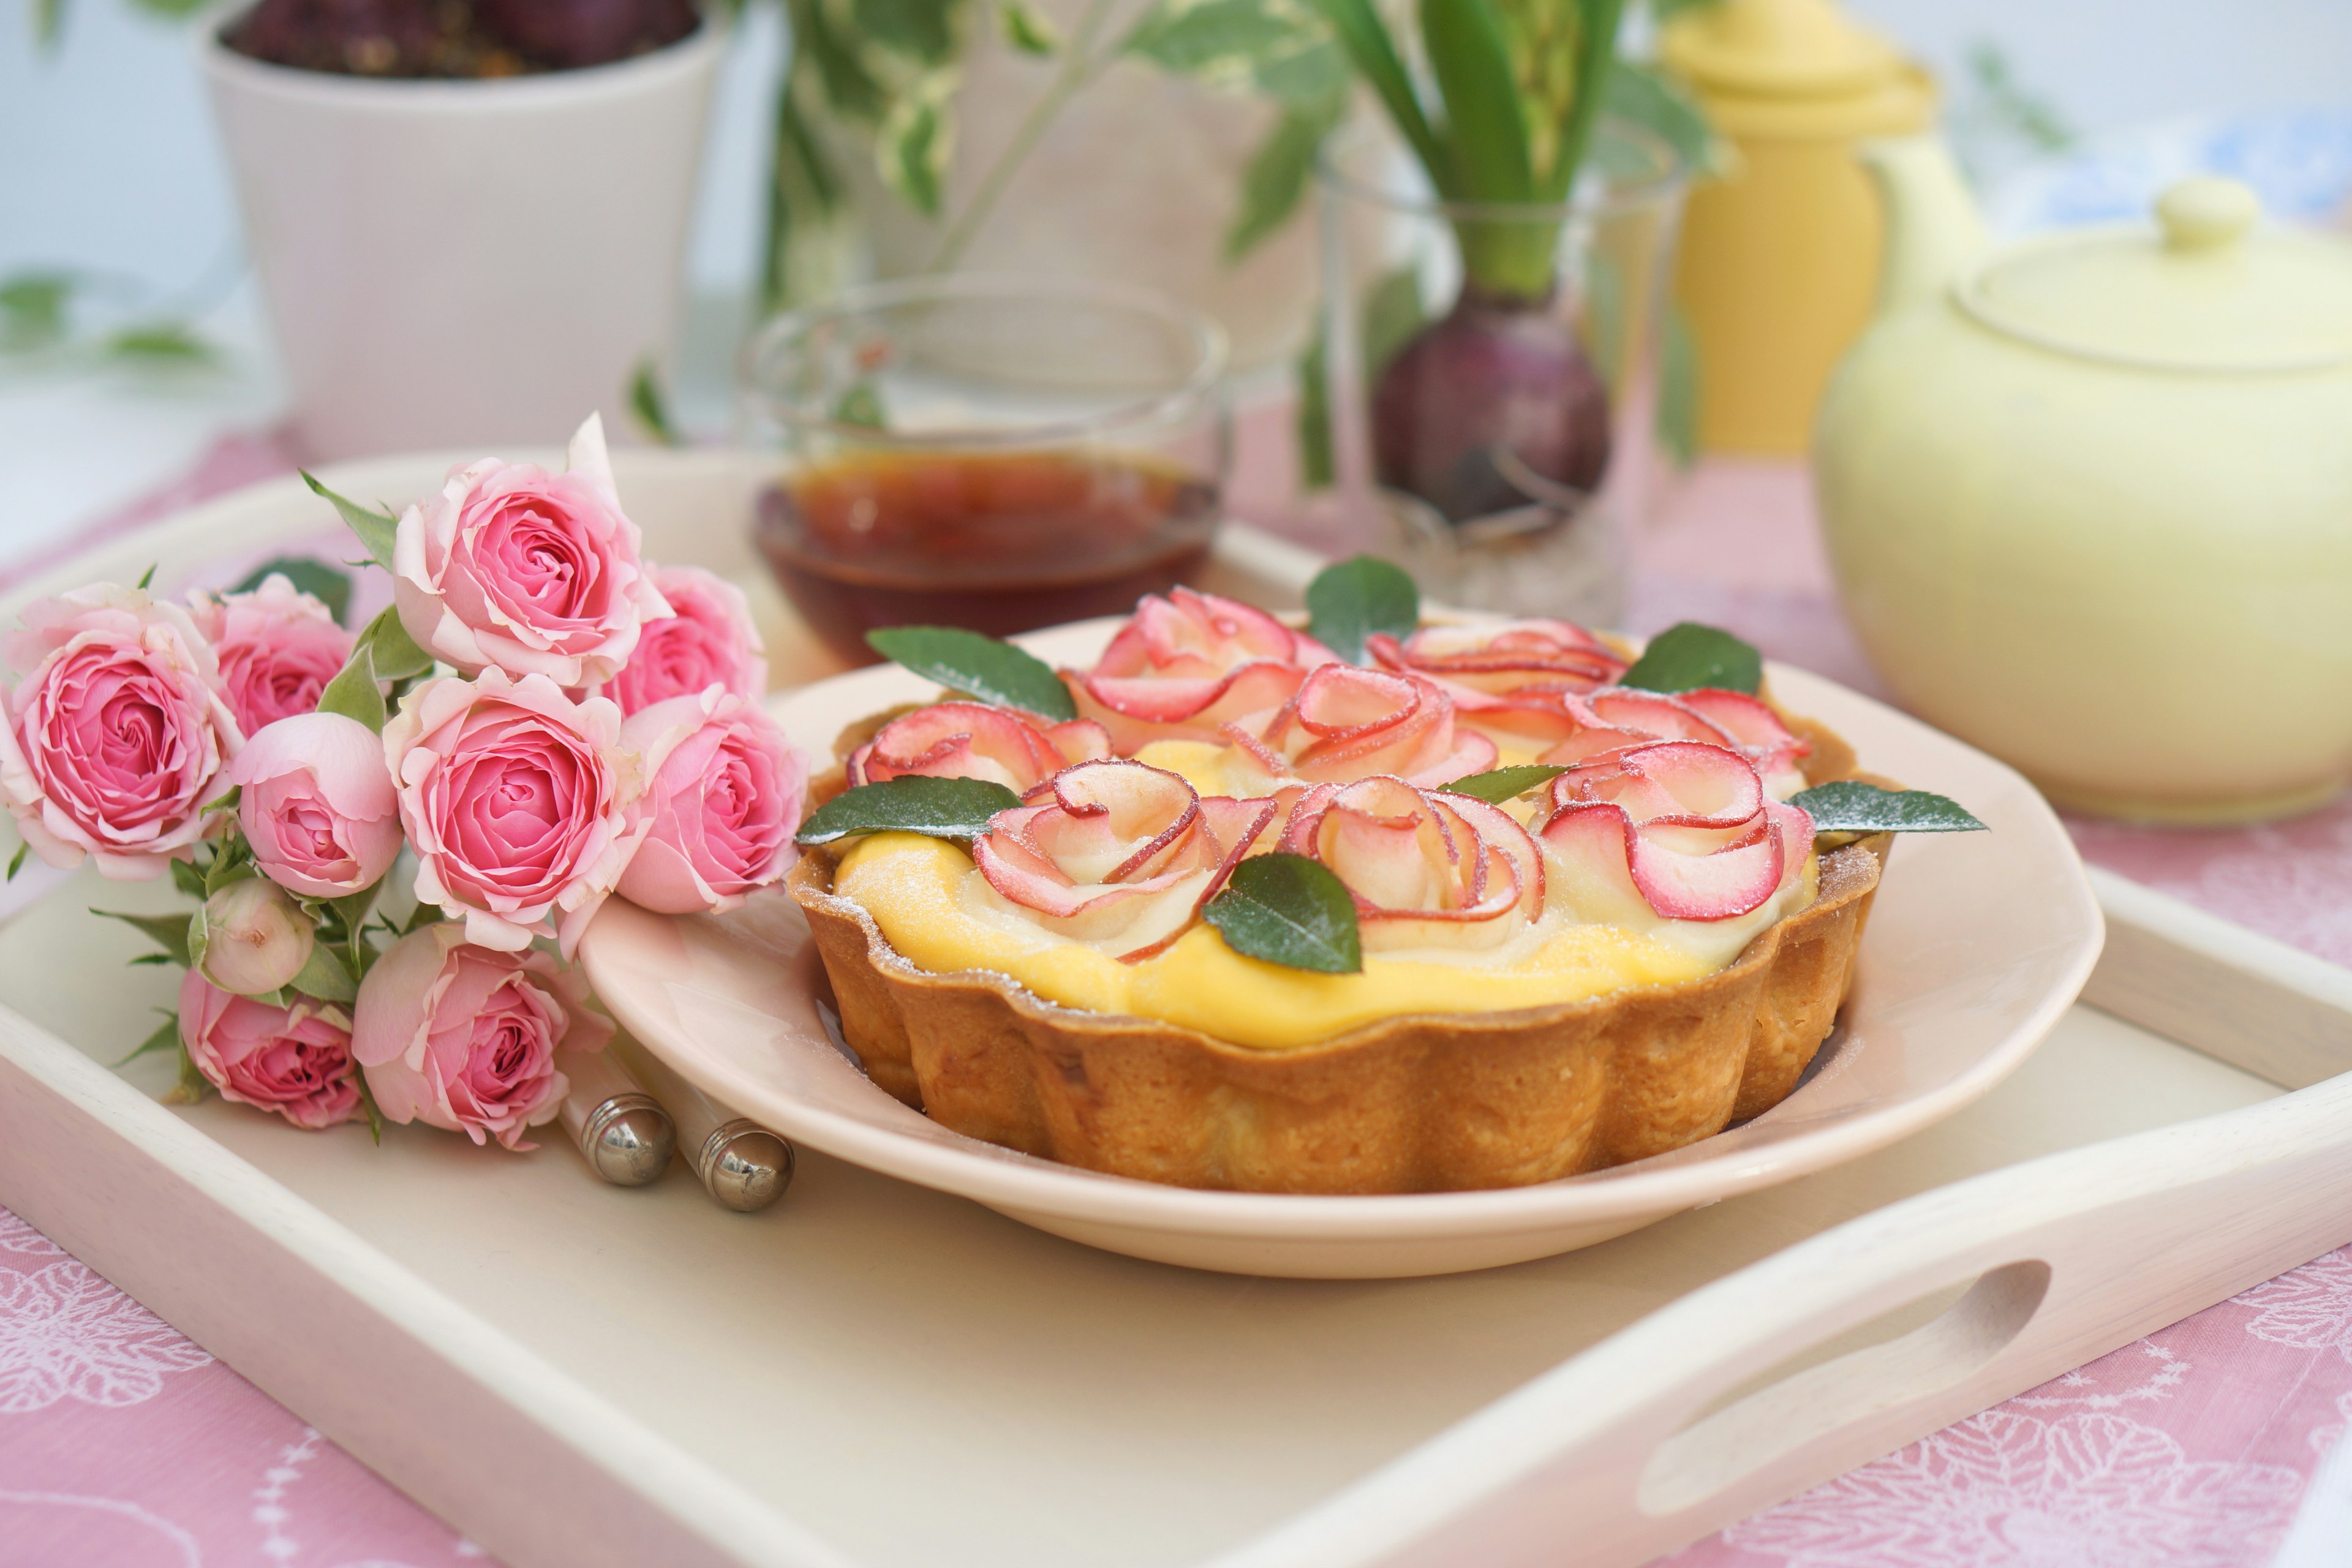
463,1037
513,795
115,733
295,1061
318,804
278,648
724,794
707,637
513,568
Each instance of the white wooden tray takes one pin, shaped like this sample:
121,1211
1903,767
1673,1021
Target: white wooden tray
871,1374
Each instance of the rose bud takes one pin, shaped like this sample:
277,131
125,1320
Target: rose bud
1683,827
256,938
278,648
116,732
1188,664
1425,869
295,1061
973,741
531,573
723,794
1117,853
316,805
463,1037
1344,723
708,637
511,795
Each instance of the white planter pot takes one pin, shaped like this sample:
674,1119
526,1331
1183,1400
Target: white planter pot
465,263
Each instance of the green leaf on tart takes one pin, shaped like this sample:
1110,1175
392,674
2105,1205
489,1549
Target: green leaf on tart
1500,785
169,933
316,578
376,529
1351,599
1689,656
1291,910
977,666
938,808
1849,805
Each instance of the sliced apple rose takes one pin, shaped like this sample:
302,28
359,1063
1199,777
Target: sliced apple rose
1186,665
1345,723
974,741
1116,853
1613,720
1426,869
1506,675
1684,826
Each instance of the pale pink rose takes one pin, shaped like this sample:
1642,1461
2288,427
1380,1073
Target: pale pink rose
463,1037
513,568
116,732
707,637
513,797
723,794
278,648
294,1060
316,805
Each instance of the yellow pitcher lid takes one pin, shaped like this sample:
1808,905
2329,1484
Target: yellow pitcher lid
1794,68
2206,288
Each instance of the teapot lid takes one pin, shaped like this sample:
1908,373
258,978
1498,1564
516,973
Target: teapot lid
1797,48
2205,290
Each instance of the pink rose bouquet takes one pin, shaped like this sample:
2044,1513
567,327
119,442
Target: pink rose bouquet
294,1060
115,731
513,797
316,804
513,568
277,648
708,639
463,1037
723,792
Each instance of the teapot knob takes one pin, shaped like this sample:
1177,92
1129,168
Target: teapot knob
2206,212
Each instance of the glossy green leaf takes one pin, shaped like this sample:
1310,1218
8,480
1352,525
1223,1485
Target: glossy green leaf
1850,806
1486,125
376,529
188,879
316,578
353,692
1290,910
1500,785
1027,28
1350,600
394,653
324,977
1688,656
169,933
977,666
938,808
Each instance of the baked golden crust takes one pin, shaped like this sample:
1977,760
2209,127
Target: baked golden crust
1408,1104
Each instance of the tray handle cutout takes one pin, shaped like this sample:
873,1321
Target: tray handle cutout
1806,1404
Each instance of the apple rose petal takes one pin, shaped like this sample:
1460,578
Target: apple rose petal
1103,851
1510,675
1688,823
974,741
1424,869
1756,730
1186,664
1347,723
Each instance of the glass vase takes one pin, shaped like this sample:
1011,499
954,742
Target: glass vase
1491,372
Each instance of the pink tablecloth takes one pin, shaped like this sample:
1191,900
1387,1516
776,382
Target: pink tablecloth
122,1445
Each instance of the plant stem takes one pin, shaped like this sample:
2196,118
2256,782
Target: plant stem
1078,67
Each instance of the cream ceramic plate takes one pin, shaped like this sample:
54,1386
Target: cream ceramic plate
1976,946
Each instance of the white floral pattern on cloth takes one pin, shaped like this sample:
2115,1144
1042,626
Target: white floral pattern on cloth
2310,1309
66,1333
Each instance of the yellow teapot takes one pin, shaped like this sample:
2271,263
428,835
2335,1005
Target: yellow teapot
2088,496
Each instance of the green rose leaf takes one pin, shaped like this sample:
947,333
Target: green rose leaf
392,650
353,693
977,666
376,529
316,578
169,933
325,978
1350,600
1500,785
1291,910
1688,657
1850,806
939,809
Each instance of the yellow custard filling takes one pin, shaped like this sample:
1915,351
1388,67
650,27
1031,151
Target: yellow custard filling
940,914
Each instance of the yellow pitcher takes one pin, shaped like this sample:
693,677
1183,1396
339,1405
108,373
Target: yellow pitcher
1780,260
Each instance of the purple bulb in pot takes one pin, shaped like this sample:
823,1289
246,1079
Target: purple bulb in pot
1492,379
565,35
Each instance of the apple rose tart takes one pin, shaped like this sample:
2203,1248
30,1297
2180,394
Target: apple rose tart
1265,917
